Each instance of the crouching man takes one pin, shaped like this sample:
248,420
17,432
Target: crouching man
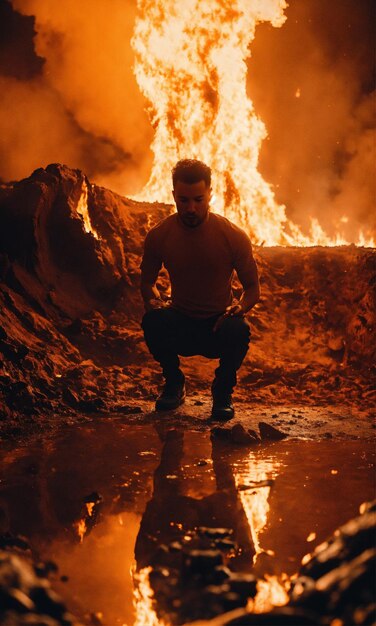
200,251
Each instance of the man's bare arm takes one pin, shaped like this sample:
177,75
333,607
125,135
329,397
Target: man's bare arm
150,294
249,297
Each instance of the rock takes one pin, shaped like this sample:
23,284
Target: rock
126,408
221,432
70,397
339,579
220,598
47,602
201,562
240,435
91,405
269,432
44,569
281,616
346,544
220,574
26,598
236,434
13,351
215,533
244,585
225,545
20,397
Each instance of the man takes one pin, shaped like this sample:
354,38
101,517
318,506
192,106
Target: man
200,251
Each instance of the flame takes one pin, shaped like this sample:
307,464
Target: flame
190,63
81,529
270,592
80,525
143,599
82,209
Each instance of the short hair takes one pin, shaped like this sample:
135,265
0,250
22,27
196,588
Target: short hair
191,171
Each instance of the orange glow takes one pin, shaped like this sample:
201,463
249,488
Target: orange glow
190,63
143,599
81,529
80,525
83,211
270,592
90,508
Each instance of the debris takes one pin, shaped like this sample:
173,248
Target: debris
239,435
270,432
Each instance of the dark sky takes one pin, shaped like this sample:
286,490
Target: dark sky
311,82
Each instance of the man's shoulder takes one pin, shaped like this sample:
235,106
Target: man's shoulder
163,226
227,226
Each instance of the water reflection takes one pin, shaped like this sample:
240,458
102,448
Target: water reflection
194,489
157,486
213,499
254,479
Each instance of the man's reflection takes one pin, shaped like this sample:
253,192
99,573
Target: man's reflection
175,526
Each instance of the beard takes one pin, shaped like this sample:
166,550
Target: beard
192,220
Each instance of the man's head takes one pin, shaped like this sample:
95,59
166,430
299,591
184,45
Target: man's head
192,191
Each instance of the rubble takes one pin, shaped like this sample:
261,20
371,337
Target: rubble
26,596
336,584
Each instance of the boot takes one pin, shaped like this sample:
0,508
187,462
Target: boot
222,408
173,394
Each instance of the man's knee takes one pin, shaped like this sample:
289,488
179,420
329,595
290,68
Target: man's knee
235,329
156,319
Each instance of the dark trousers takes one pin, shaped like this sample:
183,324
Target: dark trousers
169,333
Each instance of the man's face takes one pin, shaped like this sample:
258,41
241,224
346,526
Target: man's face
192,202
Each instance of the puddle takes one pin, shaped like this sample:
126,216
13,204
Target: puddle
146,485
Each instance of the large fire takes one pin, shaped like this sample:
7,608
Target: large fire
190,63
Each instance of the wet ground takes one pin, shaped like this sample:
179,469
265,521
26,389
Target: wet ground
98,499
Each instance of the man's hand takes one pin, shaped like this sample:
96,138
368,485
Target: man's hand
247,301
156,303
234,310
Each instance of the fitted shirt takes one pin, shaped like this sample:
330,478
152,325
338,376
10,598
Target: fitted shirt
200,262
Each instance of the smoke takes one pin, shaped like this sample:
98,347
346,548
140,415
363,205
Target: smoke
84,109
311,82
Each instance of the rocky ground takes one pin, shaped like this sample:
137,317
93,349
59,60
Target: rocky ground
71,350
70,310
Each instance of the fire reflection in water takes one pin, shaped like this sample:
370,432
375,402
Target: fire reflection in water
143,599
259,475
